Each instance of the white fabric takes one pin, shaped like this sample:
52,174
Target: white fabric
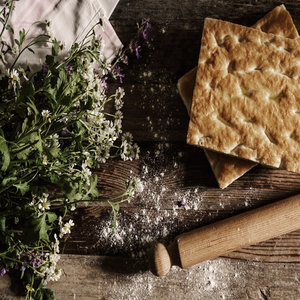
70,21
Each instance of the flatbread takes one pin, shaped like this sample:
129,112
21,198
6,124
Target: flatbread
226,168
245,102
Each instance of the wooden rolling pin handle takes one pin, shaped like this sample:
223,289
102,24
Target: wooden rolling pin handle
236,232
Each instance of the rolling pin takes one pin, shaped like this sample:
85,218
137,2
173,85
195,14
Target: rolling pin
242,230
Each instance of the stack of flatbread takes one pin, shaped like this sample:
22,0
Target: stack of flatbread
244,96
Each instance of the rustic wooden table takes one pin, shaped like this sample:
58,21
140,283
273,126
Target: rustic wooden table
100,265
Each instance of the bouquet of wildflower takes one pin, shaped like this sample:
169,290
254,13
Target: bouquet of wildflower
54,128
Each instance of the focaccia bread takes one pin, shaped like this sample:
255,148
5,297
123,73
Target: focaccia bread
227,168
245,101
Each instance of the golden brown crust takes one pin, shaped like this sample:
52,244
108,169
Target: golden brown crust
185,87
279,22
245,101
226,168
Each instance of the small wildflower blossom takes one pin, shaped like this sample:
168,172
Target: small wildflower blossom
44,204
137,51
104,82
46,114
146,26
29,288
3,271
117,71
69,69
127,136
14,75
66,228
45,160
29,111
103,154
15,79
22,71
45,68
120,93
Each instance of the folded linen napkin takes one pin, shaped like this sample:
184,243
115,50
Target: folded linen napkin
70,21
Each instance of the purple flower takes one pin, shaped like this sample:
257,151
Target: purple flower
104,79
23,172
69,69
3,271
146,25
137,51
45,69
23,268
64,133
118,72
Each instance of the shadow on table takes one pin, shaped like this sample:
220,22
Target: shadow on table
197,170
124,265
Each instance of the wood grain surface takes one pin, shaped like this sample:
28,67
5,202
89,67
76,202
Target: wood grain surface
180,192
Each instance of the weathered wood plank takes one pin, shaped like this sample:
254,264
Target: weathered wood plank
99,277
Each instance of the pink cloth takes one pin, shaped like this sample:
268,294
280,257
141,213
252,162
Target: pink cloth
70,20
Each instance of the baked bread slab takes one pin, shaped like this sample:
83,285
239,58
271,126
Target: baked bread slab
227,168
245,101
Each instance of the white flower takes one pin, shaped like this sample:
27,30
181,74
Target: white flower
55,245
67,227
29,111
15,79
46,113
118,100
22,71
135,151
14,75
86,170
120,93
44,204
45,160
119,115
127,136
49,31
129,151
103,154
118,103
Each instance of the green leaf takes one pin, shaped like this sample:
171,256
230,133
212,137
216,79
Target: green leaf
24,125
49,60
6,180
47,294
41,228
54,151
8,27
66,100
17,42
55,48
32,105
23,155
5,154
31,50
2,223
22,187
22,36
51,216
28,89
93,186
